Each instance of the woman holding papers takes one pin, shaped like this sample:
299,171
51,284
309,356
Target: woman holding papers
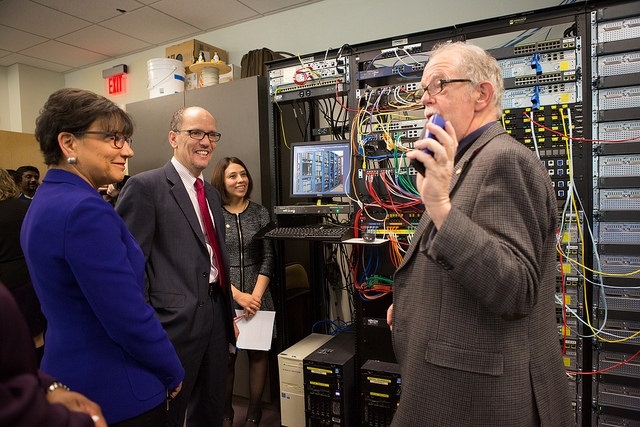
251,269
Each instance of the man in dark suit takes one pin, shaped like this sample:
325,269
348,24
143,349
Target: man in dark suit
473,314
186,282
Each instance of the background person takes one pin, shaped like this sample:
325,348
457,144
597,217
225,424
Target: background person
187,268
110,192
28,397
251,270
103,339
473,314
13,267
29,177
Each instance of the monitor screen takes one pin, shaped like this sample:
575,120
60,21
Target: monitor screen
320,169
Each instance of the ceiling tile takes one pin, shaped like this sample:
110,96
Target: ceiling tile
104,41
216,16
67,35
15,58
35,18
91,10
151,26
15,40
61,53
271,6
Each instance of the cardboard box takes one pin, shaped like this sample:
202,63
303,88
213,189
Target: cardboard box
189,51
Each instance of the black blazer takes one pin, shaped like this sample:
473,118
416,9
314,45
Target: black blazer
13,266
158,211
23,399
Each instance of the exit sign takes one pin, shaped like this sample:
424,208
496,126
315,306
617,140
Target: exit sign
117,84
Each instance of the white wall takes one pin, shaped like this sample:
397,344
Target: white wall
35,86
23,91
4,99
313,28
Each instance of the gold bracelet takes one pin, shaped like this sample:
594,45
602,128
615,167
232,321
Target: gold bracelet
56,385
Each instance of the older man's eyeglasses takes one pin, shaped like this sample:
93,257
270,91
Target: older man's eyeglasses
437,86
200,134
117,139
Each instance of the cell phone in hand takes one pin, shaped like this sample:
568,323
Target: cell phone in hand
438,120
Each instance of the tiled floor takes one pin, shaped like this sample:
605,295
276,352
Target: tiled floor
270,413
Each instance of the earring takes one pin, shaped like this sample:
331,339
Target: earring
72,160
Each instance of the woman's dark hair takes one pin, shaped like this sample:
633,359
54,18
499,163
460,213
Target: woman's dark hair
74,111
217,178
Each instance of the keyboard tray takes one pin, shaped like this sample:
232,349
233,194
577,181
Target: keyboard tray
321,232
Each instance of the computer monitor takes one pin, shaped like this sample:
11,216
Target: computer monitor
320,169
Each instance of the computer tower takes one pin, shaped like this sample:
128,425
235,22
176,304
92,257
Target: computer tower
380,390
292,379
330,384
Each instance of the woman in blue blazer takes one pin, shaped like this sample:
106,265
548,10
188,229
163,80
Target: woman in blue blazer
103,340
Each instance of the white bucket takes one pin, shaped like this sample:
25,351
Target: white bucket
166,76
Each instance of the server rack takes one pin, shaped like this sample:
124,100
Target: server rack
572,88
615,49
380,385
290,368
329,383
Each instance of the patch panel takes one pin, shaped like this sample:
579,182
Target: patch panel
548,62
312,84
571,285
402,69
570,296
408,69
388,52
328,88
399,223
303,80
410,124
373,178
545,46
402,135
392,51
572,354
405,88
561,93
567,327
541,79
376,146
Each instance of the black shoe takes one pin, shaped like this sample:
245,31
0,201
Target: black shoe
253,422
227,421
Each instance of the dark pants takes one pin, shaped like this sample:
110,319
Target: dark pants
153,418
205,365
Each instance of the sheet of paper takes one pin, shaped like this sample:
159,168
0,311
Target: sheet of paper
255,332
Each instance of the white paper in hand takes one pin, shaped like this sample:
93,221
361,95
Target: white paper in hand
256,331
